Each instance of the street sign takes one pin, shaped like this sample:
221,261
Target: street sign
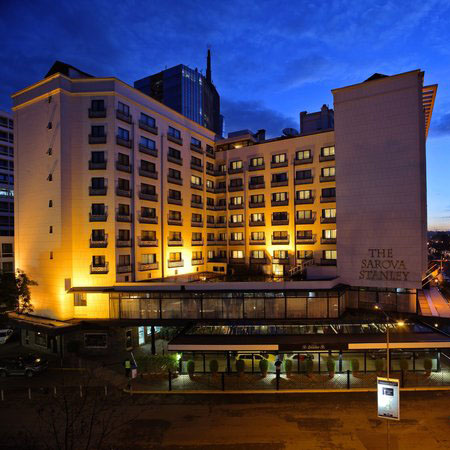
388,398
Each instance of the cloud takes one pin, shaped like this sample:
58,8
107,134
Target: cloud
440,126
243,114
307,69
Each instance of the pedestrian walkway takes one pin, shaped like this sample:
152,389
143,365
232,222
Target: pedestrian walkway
433,303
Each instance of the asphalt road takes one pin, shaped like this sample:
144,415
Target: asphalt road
304,421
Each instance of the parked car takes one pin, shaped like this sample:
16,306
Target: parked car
301,356
28,365
395,354
5,334
247,358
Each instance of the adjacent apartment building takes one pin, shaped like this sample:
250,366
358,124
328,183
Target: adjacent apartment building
115,190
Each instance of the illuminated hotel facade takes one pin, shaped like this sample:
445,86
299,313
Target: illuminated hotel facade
114,190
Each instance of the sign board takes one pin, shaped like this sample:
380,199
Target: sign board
388,398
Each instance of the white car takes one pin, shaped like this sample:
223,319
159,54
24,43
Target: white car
5,334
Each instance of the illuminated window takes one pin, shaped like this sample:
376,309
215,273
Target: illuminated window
259,198
327,151
279,196
148,258
236,236
257,236
237,254
257,217
329,254
280,235
210,184
303,195
303,154
236,218
328,171
236,165
307,214
257,162
257,254
304,234
279,158
197,255
237,200
197,181
329,213
79,299
175,256
329,234
280,254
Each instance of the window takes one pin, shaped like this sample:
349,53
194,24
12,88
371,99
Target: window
195,142
147,143
40,339
174,133
196,161
98,261
257,162
147,120
222,168
98,209
236,218
327,151
236,182
210,219
303,195
98,157
236,165
173,173
97,130
257,236
148,166
149,213
303,174
8,267
98,235
174,153
197,199
237,254
123,159
174,215
328,171
124,109
210,184
303,154
123,184
197,181
175,236
124,260
148,189
279,235
329,213
98,105
236,200
280,254
259,198
279,177
304,254
257,254
198,236
209,166
197,218
148,258
197,255
283,215
279,196
124,210
256,180
79,299
50,229
209,201
329,234
329,192
123,134
237,236
7,250
148,235
329,254
95,340
209,149
50,203
175,256
98,183
175,195
304,215
279,158
304,234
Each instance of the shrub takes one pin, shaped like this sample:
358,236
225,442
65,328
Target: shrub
379,365
309,366
263,366
190,367
355,365
213,366
404,364
427,364
331,365
288,366
157,363
240,366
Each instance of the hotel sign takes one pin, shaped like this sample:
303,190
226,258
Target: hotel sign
381,264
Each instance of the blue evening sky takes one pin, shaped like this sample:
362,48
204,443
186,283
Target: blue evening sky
270,59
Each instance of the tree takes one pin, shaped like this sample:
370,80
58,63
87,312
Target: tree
15,291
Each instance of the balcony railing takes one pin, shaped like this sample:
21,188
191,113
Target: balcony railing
258,260
98,217
148,266
327,219
298,162
282,261
257,223
235,224
100,269
97,165
238,170
99,243
326,158
148,196
237,260
327,262
257,241
197,242
196,224
221,259
280,221
175,160
274,165
197,167
257,204
236,242
280,240
124,142
146,219
326,179
178,222
124,268
123,217
175,201
148,151
147,242
196,148
148,173
275,183
123,242
177,140
123,167
304,180
97,139
256,185
172,264
146,127
324,240
98,191
305,220
217,190
197,262
198,205
173,180
123,192
128,118
175,242
235,206
255,168
306,240
280,202
327,199
304,201
235,188
97,113
197,186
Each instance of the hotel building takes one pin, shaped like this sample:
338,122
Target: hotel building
131,214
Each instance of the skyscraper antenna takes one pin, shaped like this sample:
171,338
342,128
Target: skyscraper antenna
208,65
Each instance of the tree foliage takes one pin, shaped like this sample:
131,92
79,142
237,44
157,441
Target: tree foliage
15,291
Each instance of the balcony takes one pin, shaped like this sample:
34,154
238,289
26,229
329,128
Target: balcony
235,206
210,207
235,188
197,242
97,165
305,220
98,190
148,196
146,127
175,139
97,113
218,259
148,266
199,187
128,118
175,242
197,167
148,174
123,242
100,268
257,204
220,173
280,240
219,225
123,192
283,261
306,240
98,217
304,201
328,220
280,221
327,262
327,179
237,170
257,241
255,168
328,241
145,219
173,180
258,260
175,160
298,162
256,185
197,205
148,151
120,217
217,190
197,224
327,199
175,201
123,167
280,202
197,262
209,151
326,158
235,224
172,264
279,183
147,242
236,242
196,148
124,142
97,139
99,243
236,261
304,180
274,165
178,222
221,242
123,268
257,223
210,171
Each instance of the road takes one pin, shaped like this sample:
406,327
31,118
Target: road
306,421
